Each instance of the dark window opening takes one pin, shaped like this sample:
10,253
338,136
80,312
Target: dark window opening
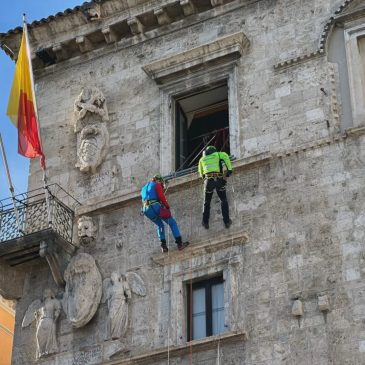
205,308
202,119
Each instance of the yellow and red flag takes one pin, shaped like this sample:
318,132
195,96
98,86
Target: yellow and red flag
22,106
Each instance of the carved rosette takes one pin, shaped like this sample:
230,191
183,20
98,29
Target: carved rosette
91,115
83,290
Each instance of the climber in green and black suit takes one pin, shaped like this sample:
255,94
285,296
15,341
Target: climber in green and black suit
211,170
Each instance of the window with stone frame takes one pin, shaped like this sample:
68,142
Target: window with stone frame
355,54
201,120
205,308
199,99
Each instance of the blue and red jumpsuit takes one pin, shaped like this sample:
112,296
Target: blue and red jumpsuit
153,199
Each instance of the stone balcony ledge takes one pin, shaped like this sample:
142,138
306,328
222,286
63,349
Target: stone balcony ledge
181,350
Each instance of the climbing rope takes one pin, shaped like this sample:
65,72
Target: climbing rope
168,327
191,276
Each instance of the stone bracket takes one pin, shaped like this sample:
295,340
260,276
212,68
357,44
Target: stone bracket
53,263
162,16
216,2
84,44
188,7
135,25
109,35
60,51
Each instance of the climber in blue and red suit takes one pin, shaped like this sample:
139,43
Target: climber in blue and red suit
157,209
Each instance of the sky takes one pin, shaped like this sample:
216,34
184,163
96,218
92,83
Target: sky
11,17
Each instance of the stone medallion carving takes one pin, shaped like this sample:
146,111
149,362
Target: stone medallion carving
83,289
46,313
117,291
91,115
86,230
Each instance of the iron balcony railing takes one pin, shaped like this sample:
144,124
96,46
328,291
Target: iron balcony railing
32,214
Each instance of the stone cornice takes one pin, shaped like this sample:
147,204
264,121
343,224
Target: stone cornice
60,38
98,205
222,50
205,344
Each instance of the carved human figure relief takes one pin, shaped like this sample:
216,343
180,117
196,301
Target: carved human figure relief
46,313
86,230
91,114
83,289
117,291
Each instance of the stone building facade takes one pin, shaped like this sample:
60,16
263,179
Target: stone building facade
111,77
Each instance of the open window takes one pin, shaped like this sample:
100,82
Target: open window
201,119
198,91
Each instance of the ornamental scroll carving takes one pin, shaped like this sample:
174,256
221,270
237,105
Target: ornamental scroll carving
91,115
83,290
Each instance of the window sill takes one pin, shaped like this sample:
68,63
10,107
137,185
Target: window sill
202,247
207,343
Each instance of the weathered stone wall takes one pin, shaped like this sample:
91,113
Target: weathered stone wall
300,203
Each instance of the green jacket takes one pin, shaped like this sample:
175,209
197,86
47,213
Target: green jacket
212,163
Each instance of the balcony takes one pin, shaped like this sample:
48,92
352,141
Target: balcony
38,225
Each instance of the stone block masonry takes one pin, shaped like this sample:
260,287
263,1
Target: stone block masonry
292,262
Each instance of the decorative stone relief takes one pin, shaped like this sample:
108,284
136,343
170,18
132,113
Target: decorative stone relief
46,313
117,291
90,101
86,230
83,289
91,114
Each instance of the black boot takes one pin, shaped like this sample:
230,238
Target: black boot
164,247
205,225
228,224
180,244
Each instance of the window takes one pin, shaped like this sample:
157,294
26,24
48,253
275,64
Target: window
198,90
201,119
355,51
205,308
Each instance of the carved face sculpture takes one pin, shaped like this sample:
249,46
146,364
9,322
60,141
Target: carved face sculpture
86,230
93,146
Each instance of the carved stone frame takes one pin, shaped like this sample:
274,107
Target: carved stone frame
191,71
356,83
168,93
179,281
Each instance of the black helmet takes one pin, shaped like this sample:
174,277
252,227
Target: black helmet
209,150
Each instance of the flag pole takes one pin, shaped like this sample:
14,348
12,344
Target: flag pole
11,188
45,186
